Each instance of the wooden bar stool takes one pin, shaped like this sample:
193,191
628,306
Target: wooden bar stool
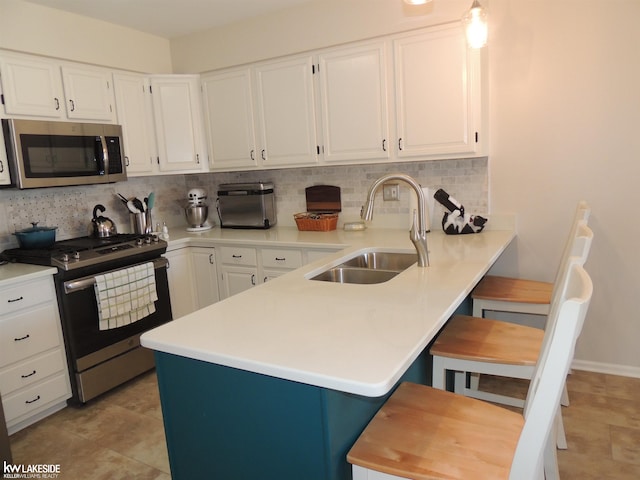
522,296
494,347
518,295
426,433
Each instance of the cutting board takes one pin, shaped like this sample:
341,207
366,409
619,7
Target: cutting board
323,198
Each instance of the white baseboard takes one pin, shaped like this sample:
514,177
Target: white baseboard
608,368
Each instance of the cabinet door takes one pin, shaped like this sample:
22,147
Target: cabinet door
286,113
354,103
178,121
88,94
236,279
180,275
434,85
229,115
134,112
205,276
31,87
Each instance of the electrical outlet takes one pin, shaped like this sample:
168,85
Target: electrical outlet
391,192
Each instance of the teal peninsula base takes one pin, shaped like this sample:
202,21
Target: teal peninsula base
223,423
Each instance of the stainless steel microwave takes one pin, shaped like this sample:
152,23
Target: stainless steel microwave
55,154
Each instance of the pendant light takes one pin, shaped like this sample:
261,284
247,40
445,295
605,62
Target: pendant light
475,24
416,2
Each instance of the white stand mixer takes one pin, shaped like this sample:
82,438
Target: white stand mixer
197,211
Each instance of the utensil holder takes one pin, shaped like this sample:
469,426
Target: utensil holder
141,223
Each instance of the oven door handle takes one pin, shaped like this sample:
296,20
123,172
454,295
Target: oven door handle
88,282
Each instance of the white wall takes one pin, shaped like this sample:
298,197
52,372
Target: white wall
565,112
26,27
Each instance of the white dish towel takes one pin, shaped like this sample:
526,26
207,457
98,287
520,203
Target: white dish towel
125,296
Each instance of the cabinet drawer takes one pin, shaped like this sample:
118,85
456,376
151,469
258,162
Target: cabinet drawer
37,397
32,371
25,295
28,333
238,255
281,257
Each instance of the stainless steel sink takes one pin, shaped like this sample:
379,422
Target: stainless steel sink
355,275
368,267
382,261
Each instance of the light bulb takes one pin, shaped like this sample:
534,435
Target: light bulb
416,2
476,28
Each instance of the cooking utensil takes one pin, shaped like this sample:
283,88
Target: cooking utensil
100,226
36,237
152,200
138,204
132,208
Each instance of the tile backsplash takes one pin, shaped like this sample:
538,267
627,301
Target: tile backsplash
70,208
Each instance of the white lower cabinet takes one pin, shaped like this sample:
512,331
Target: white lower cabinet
181,281
205,275
34,378
238,269
200,276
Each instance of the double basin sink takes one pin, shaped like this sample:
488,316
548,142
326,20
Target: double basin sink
367,267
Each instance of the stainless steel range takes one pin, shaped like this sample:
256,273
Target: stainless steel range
99,359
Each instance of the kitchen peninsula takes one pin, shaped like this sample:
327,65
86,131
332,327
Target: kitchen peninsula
277,382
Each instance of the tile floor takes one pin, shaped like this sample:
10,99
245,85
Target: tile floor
120,435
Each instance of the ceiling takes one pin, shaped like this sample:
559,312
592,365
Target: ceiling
170,18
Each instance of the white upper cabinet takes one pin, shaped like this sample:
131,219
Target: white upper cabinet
286,112
88,93
31,87
436,91
38,87
354,103
229,111
135,114
177,111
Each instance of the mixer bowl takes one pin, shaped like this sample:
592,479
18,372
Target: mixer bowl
196,215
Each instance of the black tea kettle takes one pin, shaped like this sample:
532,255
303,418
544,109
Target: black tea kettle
101,227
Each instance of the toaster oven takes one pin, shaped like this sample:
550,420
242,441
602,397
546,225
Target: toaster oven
246,205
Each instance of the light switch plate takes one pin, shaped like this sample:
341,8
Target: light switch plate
391,192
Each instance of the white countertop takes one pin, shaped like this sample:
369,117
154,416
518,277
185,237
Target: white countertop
11,273
358,339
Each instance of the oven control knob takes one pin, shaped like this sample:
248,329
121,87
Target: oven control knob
155,239
147,240
139,242
65,257
76,255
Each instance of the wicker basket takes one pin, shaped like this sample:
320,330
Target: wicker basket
317,222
